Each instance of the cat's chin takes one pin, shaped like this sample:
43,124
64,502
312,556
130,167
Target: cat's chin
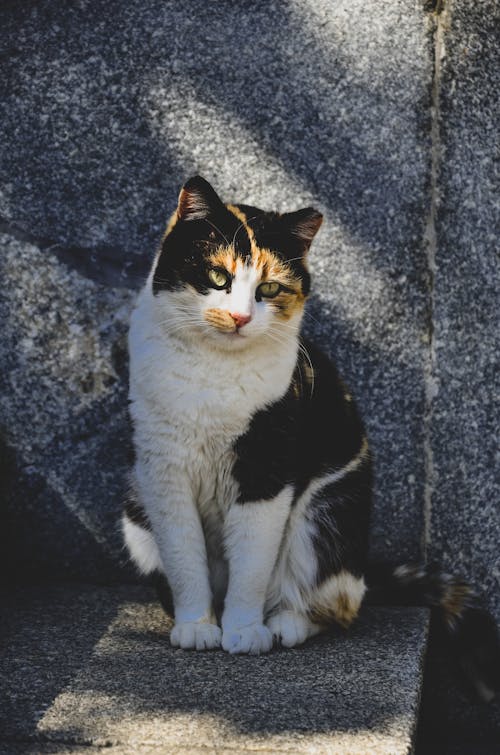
235,341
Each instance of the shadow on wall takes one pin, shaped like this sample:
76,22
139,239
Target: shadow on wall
108,110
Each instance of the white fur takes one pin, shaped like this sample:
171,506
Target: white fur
194,391
290,628
142,546
253,533
295,575
189,403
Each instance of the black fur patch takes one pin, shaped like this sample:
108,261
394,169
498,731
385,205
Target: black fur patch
136,514
185,250
267,455
313,429
271,232
341,513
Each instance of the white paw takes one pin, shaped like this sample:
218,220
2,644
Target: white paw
253,639
289,628
192,635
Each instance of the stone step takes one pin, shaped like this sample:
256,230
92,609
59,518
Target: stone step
89,667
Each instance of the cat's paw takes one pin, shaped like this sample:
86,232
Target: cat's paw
253,639
289,628
193,635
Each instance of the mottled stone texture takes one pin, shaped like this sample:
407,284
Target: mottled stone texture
64,434
118,683
107,108
465,514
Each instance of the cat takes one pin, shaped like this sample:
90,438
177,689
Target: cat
251,491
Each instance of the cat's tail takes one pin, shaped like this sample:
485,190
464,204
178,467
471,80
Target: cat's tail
470,629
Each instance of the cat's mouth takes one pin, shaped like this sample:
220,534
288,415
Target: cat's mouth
235,335
235,339
225,323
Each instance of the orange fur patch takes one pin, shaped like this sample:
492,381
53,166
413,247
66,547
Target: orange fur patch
337,600
225,258
453,601
343,611
271,268
286,305
220,319
243,220
172,221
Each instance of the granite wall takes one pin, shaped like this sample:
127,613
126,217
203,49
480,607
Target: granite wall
108,108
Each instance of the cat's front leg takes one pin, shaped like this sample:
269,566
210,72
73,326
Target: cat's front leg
253,532
181,543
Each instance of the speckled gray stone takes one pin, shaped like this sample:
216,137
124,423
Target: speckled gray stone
108,107
94,667
64,434
465,515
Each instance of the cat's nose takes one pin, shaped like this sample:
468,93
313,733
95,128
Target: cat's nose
240,319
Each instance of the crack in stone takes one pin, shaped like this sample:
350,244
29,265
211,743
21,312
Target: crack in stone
438,21
434,6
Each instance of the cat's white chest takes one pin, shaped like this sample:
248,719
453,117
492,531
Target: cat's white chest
205,396
192,407
191,403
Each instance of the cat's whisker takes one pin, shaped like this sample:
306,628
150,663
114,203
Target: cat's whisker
236,232
244,222
294,259
273,336
278,329
294,328
168,326
308,357
309,314
179,318
171,328
218,230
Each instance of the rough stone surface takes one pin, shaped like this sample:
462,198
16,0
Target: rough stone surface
94,667
63,409
107,108
465,514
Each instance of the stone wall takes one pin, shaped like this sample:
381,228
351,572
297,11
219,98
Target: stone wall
108,108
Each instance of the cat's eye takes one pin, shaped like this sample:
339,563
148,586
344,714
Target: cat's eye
218,278
269,289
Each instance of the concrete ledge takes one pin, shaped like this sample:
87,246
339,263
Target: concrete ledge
87,668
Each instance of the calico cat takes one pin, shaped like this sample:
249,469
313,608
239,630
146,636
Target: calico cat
251,489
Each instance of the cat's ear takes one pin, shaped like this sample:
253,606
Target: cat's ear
304,224
197,200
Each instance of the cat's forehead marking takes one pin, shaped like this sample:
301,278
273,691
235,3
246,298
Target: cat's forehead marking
244,227
266,262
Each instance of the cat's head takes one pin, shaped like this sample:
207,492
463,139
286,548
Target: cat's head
233,273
